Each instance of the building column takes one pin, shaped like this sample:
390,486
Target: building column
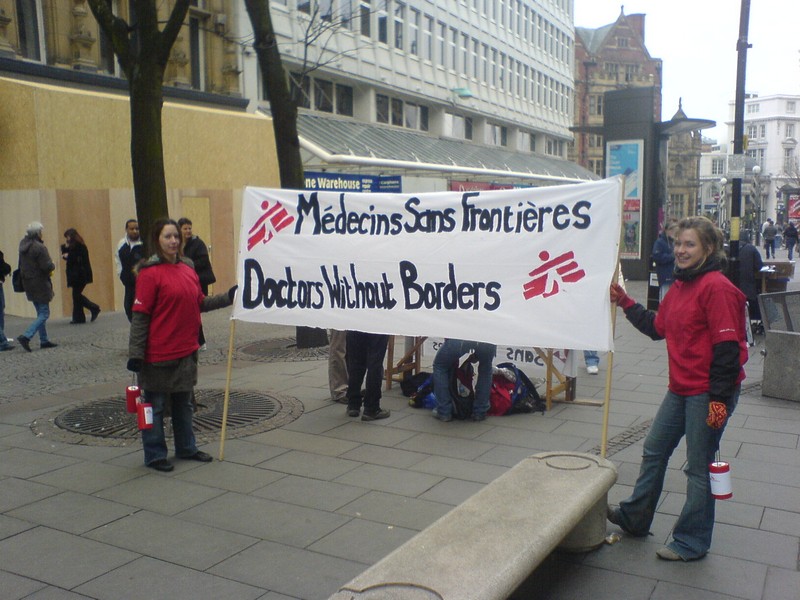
80,37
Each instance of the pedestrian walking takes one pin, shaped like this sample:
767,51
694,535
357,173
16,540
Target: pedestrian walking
130,251
664,258
163,343
769,232
79,275
790,234
36,268
702,320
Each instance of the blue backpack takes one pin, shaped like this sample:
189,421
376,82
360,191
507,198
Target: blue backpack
524,397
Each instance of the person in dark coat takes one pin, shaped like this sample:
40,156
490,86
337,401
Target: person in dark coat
79,275
790,236
750,264
196,250
664,258
130,252
36,268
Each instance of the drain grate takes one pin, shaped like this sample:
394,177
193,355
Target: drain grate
107,420
627,438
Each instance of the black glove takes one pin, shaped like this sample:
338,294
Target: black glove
135,364
232,293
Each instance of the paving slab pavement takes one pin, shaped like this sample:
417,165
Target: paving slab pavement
296,510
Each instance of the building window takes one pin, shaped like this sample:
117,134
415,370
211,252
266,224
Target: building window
789,164
622,42
612,69
326,10
718,166
397,112
416,116
441,34
790,106
753,108
595,104
304,6
457,126
427,36
383,22
381,108
631,71
762,131
399,25
30,26
496,135
413,32
678,171
323,95
300,90
790,130
197,53
364,16
344,100
453,49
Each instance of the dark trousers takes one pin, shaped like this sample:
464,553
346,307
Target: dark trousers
365,353
130,295
79,303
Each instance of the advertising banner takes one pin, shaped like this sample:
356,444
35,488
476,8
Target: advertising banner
524,267
627,158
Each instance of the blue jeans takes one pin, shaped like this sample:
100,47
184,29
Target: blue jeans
445,361
40,323
790,248
3,341
153,440
591,358
676,417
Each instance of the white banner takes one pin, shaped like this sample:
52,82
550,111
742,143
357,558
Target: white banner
524,267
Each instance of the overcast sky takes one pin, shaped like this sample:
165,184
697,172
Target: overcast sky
696,39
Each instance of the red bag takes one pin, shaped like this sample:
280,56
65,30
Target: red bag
500,395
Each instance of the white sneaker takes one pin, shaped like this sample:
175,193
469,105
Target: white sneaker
592,369
203,348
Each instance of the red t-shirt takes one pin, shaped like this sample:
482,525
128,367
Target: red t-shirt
693,317
171,295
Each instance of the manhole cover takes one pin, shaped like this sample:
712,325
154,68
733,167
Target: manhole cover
283,350
107,422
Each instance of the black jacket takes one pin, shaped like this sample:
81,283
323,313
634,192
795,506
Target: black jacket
79,269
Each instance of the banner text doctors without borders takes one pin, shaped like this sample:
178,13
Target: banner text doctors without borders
527,267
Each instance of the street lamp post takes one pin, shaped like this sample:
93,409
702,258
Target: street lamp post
757,202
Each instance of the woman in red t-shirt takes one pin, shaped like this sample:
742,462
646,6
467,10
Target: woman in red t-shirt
163,343
702,318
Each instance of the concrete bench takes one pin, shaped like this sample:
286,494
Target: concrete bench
488,545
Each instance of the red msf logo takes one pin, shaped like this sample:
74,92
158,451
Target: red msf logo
546,277
271,222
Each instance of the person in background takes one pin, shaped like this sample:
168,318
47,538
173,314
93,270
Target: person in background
196,250
79,275
769,232
446,360
130,251
702,321
337,365
5,271
163,346
365,354
592,361
790,235
36,268
750,264
664,258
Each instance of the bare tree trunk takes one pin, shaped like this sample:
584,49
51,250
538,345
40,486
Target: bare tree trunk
143,51
284,124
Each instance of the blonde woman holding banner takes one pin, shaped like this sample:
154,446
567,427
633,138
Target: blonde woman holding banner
702,320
